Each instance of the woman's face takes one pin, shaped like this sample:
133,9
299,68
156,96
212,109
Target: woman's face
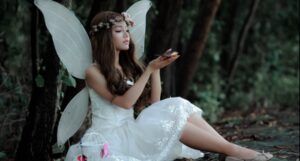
120,35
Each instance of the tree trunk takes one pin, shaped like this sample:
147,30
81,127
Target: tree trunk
207,11
241,41
164,37
3,56
35,144
100,5
121,6
230,13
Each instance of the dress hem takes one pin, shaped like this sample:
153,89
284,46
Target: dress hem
176,138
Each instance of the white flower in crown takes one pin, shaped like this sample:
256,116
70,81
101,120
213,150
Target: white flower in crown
103,24
128,18
100,25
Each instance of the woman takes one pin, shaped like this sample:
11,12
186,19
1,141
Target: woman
167,129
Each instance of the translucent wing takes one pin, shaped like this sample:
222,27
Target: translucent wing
70,39
138,13
73,47
73,116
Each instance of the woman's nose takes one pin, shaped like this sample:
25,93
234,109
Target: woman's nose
126,34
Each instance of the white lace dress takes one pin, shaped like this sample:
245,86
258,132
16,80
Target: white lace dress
153,136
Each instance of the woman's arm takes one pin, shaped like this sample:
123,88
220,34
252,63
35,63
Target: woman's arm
155,86
96,80
129,98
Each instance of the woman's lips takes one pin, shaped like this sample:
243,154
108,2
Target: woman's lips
126,42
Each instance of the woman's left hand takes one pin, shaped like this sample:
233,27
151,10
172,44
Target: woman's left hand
163,61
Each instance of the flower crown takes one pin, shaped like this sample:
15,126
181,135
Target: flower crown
106,25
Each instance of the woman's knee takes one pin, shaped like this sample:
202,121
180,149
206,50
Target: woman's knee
179,100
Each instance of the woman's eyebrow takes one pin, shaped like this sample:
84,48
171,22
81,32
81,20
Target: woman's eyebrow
120,26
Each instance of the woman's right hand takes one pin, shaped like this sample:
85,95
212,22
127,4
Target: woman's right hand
162,61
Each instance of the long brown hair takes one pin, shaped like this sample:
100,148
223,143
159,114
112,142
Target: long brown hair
104,55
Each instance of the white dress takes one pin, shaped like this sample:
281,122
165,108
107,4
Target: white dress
153,136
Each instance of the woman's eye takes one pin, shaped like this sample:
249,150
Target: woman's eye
127,31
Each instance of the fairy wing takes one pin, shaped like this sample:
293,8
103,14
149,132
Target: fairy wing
71,41
138,13
73,116
73,47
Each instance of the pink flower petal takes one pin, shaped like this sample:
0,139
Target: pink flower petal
81,158
104,151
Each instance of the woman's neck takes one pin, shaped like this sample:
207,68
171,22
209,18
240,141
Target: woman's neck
117,62
117,58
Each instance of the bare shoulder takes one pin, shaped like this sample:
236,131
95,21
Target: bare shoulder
96,80
93,74
91,69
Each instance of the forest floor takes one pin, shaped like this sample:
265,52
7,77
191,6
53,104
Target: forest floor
268,129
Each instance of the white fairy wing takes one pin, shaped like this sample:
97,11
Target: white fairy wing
138,13
70,39
74,49
73,116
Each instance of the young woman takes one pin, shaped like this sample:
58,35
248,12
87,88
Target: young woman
165,130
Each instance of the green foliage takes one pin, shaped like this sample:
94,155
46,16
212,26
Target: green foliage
2,155
56,149
81,8
210,104
277,89
66,77
13,94
207,89
277,78
39,80
187,20
15,71
15,32
268,69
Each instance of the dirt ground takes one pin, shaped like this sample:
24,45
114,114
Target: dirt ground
271,130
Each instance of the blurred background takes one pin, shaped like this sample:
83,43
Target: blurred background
239,62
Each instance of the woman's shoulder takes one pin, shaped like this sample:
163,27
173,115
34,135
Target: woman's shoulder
93,71
92,68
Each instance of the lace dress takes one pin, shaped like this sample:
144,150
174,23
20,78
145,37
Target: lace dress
153,136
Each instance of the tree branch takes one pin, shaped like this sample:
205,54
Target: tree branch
241,40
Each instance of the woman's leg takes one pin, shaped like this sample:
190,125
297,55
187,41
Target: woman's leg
198,121
202,139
